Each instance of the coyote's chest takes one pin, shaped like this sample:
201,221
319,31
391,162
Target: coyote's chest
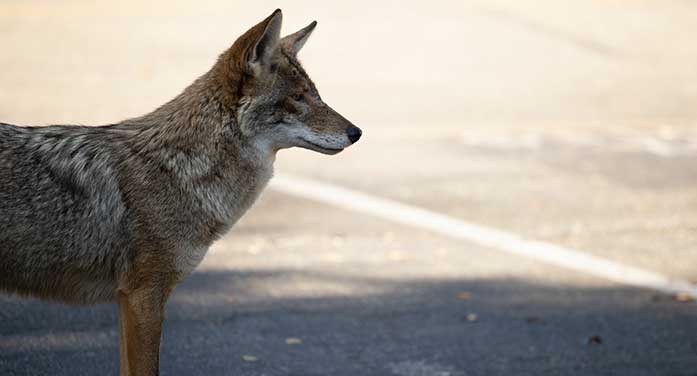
220,203
226,200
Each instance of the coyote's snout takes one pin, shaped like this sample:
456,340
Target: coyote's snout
124,212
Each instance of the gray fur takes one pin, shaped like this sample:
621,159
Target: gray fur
89,211
59,192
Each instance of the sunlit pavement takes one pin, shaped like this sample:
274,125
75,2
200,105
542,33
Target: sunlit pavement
570,123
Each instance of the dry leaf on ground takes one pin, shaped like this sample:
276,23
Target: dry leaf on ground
293,341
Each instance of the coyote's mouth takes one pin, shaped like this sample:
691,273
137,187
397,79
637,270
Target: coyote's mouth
321,149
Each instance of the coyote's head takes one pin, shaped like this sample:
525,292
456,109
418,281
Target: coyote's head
277,104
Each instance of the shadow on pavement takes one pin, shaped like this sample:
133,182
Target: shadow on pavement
368,326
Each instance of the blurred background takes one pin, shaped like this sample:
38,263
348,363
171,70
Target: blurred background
572,122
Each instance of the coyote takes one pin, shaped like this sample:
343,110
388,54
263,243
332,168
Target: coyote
125,212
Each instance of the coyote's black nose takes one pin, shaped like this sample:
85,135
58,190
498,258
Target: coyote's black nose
354,133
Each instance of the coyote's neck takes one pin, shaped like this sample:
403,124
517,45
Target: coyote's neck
200,122
196,138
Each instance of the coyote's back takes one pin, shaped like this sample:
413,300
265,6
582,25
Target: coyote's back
62,221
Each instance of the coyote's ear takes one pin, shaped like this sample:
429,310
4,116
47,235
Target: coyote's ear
261,40
296,41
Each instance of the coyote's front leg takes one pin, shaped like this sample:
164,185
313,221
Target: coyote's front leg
141,313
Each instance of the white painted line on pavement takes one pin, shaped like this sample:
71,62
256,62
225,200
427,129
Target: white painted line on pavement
485,236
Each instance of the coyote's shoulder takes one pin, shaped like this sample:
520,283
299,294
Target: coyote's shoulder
59,191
